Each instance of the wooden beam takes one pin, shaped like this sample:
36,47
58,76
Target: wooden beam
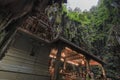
75,57
71,55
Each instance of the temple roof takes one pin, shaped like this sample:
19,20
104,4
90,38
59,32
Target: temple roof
65,43
78,49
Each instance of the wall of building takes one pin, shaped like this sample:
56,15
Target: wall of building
18,64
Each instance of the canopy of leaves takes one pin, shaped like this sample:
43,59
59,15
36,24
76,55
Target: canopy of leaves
96,31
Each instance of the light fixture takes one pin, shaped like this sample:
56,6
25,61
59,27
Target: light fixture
63,54
83,62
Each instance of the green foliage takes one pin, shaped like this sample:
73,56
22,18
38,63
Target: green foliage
95,29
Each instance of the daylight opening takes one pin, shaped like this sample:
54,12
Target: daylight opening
82,4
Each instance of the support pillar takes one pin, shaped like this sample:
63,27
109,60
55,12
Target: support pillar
87,68
103,72
87,65
58,62
64,67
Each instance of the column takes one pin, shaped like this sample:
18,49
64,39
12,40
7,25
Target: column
87,68
87,65
58,62
103,72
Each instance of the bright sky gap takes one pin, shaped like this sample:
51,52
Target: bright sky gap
82,4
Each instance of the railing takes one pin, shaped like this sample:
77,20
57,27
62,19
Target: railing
38,26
